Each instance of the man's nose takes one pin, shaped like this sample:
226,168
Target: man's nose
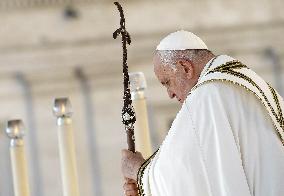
171,94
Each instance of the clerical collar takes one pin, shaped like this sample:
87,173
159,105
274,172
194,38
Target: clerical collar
218,60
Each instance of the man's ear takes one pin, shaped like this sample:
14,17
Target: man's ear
187,67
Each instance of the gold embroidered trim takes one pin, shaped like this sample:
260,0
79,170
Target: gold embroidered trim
140,174
230,68
280,118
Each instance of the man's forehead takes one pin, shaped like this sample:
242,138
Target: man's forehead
159,67
161,60
162,72
156,58
158,64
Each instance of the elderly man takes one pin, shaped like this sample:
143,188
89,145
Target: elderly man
227,139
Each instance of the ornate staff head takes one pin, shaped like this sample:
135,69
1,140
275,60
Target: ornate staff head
128,114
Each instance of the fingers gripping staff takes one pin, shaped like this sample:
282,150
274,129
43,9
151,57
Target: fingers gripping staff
128,114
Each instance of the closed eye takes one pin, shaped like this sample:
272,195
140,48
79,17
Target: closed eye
165,83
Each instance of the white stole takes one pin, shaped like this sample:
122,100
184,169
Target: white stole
239,74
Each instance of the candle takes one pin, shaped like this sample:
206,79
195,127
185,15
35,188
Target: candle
15,131
62,110
142,135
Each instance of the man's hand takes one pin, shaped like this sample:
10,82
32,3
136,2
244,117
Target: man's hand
130,187
130,163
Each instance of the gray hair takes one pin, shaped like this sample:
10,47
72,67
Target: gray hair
170,57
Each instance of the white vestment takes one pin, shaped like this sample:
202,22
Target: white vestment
223,142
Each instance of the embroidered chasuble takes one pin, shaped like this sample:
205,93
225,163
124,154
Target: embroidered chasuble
226,140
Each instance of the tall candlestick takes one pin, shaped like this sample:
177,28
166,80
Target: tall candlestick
142,135
15,131
62,110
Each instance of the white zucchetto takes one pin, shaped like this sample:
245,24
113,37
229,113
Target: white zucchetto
181,40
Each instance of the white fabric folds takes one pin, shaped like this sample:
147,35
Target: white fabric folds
225,141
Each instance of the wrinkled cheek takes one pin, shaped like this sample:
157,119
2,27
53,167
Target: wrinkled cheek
182,88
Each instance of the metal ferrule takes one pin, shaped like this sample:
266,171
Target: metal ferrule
139,94
64,120
15,142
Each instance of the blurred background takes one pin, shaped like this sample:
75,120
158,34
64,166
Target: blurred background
55,48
